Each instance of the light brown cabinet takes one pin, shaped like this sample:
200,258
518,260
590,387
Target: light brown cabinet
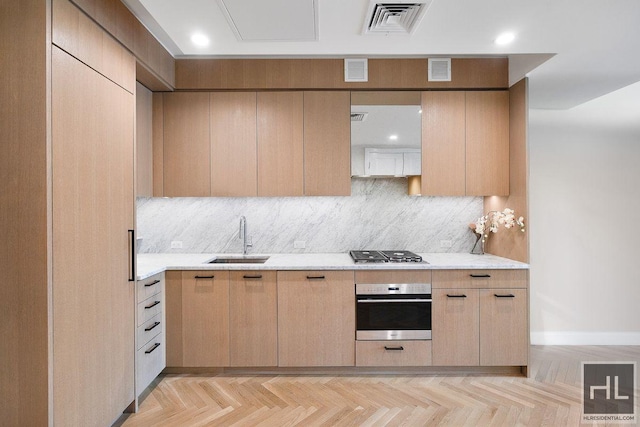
253,324
327,138
186,162
233,144
197,318
465,143
92,311
480,318
316,318
393,353
280,143
150,335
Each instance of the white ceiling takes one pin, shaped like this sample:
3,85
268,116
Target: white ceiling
593,46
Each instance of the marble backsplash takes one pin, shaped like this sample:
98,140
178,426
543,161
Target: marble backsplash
378,215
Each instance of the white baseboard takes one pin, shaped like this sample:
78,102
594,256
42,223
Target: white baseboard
585,338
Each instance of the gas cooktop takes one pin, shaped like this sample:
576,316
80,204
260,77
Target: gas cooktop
384,256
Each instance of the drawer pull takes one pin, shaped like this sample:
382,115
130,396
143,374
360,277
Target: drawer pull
153,304
399,348
456,296
204,277
155,282
504,296
152,349
255,276
315,277
152,327
480,276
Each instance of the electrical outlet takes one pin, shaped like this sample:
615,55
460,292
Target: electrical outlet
299,244
445,243
176,244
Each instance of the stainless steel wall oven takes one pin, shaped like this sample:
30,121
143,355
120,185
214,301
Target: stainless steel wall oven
393,311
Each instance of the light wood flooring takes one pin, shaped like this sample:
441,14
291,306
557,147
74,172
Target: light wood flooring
551,396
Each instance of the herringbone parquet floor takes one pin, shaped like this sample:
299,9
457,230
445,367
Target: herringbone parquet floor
550,397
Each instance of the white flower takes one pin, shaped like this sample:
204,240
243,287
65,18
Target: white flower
494,219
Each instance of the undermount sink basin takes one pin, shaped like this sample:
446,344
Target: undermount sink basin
240,260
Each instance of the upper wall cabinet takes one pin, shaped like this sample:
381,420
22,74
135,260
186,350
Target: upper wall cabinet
465,143
280,144
233,144
326,144
186,144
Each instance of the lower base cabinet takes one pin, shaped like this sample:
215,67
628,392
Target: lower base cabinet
316,318
393,353
150,331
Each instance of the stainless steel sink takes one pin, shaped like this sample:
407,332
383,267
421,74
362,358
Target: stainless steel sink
240,260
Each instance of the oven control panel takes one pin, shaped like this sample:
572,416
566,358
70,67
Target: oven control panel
392,288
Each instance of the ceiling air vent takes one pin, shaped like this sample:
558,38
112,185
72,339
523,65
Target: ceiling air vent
439,69
359,117
356,70
394,18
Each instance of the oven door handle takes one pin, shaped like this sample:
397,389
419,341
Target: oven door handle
395,300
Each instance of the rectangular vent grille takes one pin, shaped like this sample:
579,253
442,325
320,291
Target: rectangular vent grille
439,69
394,18
356,70
359,117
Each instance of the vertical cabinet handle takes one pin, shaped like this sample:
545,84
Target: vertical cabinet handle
132,255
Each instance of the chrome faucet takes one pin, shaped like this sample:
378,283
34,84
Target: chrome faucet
243,235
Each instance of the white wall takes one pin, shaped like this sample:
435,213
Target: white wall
585,222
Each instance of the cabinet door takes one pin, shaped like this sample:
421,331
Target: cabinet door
186,145
280,144
316,318
205,318
327,138
503,327
233,144
455,328
253,324
487,148
443,143
92,125
173,309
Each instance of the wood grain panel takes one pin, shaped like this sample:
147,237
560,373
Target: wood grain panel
478,279
385,98
393,276
173,309
280,144
234,150
327,144
504,330
443,143
253,323
186,146
144,142
77,34
25,257
158,143
205,318
512,243
393,353
455,327
93,203
487,147
284,74
316,318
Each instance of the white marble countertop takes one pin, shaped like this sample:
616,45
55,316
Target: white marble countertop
150,264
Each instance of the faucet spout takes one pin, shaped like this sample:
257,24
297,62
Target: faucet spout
243,235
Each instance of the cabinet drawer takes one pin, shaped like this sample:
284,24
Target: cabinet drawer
479,279
150,308
150,329
393,353
314,277
150,362
150,286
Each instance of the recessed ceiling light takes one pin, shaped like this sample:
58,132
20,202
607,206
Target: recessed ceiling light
393,137
505,38
200,39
